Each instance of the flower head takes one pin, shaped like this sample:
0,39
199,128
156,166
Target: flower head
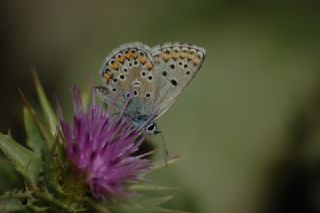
102,146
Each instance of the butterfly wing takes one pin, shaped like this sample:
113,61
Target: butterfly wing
176,64
128,72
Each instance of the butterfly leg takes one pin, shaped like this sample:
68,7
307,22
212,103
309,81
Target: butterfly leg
164,148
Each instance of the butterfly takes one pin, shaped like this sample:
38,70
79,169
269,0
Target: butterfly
150,78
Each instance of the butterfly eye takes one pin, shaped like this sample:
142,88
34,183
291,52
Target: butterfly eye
152,128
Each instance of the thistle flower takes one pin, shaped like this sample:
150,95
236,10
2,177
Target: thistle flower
102,146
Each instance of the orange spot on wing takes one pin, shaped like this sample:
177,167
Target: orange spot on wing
166,55
183,54
134,53
149,66
107,76
120,58
114,65
196,60
190,56
126,54
175,55
142,59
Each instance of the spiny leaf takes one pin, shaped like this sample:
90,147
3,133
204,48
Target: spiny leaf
56,204
97,206
34,139
145,205
52,172
45,132
24,160
150,187
12,201
45,105
162,164
156,201
8,176
11,205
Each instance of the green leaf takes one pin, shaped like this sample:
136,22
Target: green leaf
153,204
156,201
143,204
24,160
96,205
11,205
34,139
52,170
9,176
150,187
56,204
45,132
45,105
13,202
162,164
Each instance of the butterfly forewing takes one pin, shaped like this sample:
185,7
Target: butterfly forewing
176,64
129,72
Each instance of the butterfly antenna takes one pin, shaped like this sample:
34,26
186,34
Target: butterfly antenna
164,148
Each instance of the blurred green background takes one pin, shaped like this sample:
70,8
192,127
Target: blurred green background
250,122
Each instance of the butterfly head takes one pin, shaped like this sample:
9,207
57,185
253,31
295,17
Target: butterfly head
152,128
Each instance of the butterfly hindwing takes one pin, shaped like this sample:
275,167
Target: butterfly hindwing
176,64
128,72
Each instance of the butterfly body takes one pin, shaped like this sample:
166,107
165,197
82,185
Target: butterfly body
148,80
